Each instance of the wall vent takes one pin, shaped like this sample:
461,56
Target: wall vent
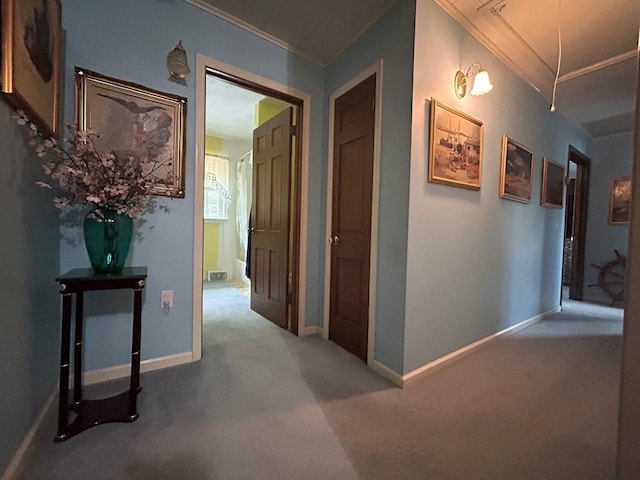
217,275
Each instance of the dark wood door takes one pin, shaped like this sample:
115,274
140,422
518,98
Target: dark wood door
269,225
351,217
576,225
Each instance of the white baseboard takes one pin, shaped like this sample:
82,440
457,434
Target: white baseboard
387,373
89,378
12,468
313,330
120,371
406,379
440,362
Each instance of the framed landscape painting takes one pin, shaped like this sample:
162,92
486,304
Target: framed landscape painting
620,201
455,147
552,184
136,121
30,59
516,171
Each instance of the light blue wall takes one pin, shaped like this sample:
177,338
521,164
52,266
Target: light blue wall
476,263
453,265
29,299
130,40
612,157
391,39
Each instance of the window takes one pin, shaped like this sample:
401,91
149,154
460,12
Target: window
216,187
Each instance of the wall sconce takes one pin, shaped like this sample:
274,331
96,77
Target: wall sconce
177,64
481,83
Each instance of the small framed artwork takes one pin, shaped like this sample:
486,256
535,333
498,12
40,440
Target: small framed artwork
455,147
552,184
620,201
30,59
134,120
516,171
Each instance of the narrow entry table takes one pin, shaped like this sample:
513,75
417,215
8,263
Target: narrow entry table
122,407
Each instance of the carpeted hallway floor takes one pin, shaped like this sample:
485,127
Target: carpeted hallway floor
263,404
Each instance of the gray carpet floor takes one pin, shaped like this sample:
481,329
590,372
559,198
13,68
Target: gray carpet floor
263,404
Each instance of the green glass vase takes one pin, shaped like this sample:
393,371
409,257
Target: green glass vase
107,236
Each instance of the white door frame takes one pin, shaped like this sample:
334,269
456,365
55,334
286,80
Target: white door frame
376,69
202,63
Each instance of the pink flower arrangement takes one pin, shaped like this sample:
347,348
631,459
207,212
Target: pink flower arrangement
84,178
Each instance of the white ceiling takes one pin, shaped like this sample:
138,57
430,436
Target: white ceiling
596,87
599,41
230,110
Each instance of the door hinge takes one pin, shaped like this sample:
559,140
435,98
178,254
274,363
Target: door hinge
293,130
373,103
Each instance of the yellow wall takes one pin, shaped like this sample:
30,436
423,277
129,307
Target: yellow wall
268,108
212,144
211,233
211,239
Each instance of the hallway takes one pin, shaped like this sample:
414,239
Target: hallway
263,404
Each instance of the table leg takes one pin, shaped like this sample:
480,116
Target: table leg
77,351
135,354
63,394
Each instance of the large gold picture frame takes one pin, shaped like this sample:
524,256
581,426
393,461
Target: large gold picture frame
516,171
134,120
30,59
455,147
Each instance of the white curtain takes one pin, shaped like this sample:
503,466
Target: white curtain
242,206
216,187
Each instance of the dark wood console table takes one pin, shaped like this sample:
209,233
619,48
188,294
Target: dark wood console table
122,407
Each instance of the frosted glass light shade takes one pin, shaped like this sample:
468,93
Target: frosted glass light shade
177,62
481,83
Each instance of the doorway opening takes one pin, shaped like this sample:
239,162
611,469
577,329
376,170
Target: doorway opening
575,226
249,194
235,182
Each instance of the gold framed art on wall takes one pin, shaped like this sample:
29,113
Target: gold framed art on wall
620,201
455,147
31,45
552,194
134,120
516,171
